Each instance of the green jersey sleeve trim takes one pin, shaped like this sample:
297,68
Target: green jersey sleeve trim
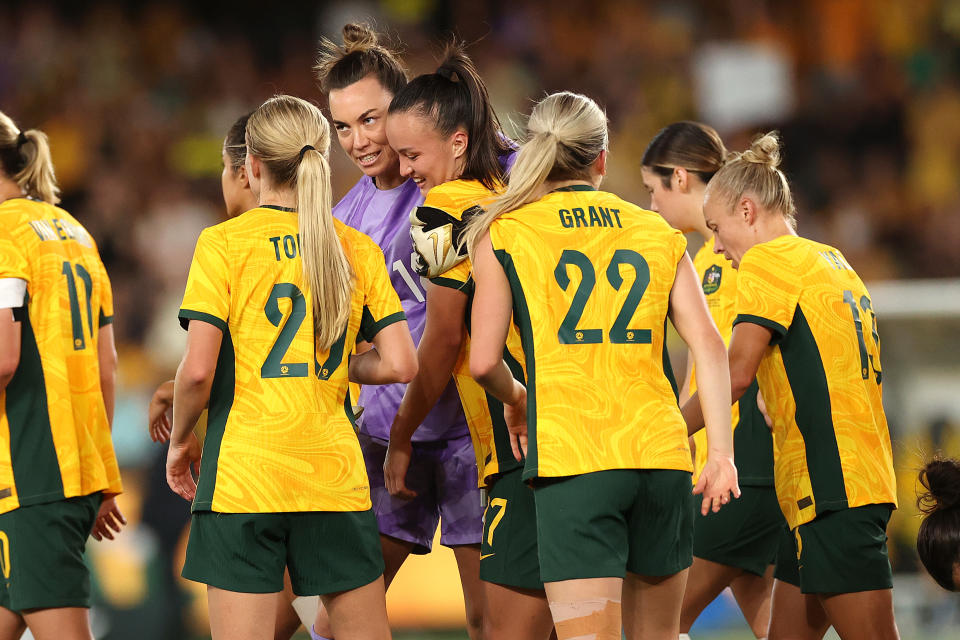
105,319
450,283
778,329
370,328
186,315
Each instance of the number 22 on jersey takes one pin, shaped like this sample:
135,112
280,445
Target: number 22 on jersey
619,333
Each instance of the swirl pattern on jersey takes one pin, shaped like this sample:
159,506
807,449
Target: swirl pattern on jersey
280,434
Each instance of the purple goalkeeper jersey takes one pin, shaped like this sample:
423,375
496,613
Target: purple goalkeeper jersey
384,215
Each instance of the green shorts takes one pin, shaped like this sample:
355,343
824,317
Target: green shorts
325,551
603,524
42,554
744,534
839,552
508,551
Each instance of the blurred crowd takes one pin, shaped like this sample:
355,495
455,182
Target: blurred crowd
136,98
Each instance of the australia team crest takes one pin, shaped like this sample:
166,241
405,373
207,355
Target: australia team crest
711,279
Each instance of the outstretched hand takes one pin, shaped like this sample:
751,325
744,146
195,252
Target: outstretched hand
718,481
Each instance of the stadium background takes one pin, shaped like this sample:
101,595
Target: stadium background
136,99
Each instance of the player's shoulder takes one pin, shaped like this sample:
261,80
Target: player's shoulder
455,196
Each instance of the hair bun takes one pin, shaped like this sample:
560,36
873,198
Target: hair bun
765,150
941,479
358,36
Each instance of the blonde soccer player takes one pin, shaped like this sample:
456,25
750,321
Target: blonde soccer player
58,472
590,280
274,298
807,331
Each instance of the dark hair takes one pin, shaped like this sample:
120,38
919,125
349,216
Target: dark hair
361,55
693,146
455,96
938,541
235,143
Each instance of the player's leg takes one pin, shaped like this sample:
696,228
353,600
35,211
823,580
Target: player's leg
461,521
583,538
395,553
241,616
287,617
754,595
651,606
586,607
660,523
515,604
241,559
512,613
12,625
337,555
864,615
359,613
795,615
705,581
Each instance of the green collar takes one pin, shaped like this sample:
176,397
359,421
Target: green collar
277,207
576,187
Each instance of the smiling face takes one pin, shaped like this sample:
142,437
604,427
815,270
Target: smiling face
359,113
425,156
733,227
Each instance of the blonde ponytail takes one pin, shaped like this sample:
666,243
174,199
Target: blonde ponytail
292,139
25,159
756,171
325,267
566,133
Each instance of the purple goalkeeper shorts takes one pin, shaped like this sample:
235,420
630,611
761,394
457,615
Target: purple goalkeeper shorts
444,476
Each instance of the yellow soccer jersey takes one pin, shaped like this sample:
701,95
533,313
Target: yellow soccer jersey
280,432
54,435
484,413
591,276
821,377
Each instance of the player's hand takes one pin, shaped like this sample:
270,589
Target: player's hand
718,481
763,410
515,415
161,407
395,467
180,458
109,518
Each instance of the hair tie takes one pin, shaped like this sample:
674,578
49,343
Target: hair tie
306,147
21,139
449,74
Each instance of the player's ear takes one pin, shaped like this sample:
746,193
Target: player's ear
600,164
681,178
459,141
746,208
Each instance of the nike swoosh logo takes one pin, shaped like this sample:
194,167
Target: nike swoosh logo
489,555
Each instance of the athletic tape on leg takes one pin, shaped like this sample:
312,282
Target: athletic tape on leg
587,620
306,608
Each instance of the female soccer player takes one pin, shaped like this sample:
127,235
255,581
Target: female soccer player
736,546
806,329
237,197
451,145
938,541
273,300
607,450
58,472
361,77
